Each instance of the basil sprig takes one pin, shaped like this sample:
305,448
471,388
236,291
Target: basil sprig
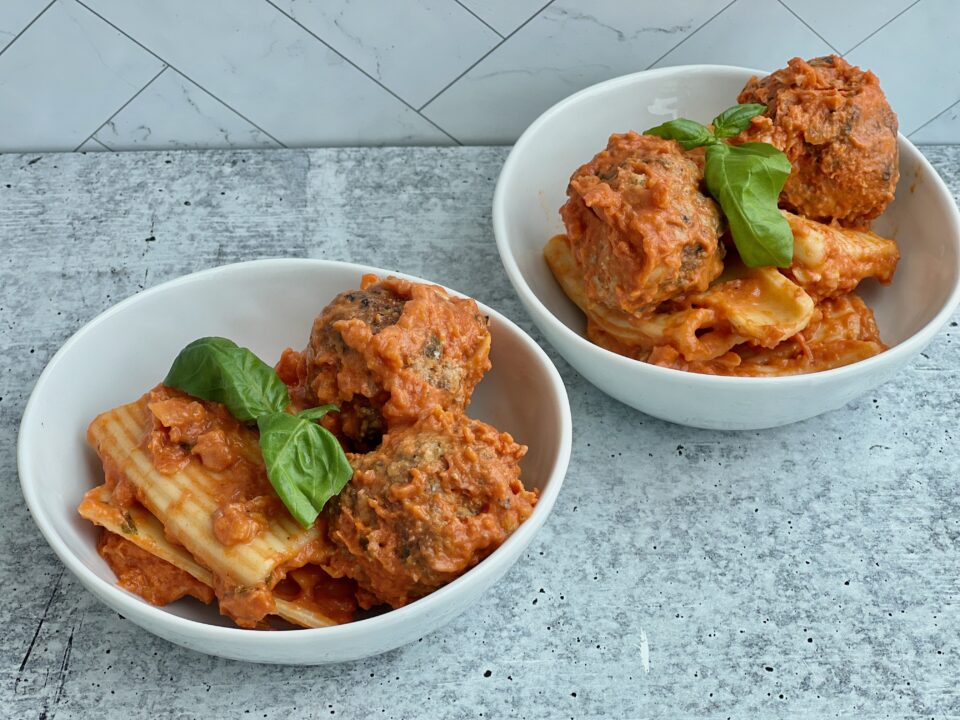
745,179
688,133
734,120
304,461
217,369
302,458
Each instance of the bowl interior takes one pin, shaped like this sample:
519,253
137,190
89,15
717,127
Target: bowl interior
533,186
266,306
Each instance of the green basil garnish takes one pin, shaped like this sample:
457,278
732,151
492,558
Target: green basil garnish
315,413
304,461
688,133
733,121
745,180
214,368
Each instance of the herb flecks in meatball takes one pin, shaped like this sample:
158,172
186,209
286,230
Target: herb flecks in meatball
640,227
433,501
834,123
387,354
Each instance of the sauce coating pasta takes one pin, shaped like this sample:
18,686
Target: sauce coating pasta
634,212
188,506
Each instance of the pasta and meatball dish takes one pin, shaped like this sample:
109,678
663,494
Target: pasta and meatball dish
647,253
191,504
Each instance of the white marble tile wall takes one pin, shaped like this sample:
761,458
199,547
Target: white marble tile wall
142,74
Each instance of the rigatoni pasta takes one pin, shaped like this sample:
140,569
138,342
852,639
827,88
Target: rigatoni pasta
188,503
139,526
229,481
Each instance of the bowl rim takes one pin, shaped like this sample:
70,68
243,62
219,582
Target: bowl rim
904,350
138,609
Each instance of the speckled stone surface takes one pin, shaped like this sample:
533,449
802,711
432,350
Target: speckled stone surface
808,571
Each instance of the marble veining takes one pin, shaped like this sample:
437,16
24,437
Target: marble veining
67,97
261,63
846,24
940,128
302,73
809,571
14,17
906,39
784,36
366,33
563,49
173,112
505,16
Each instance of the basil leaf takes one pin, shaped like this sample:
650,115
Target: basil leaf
688,133
214,368
733,121
315,413
305,463
746,180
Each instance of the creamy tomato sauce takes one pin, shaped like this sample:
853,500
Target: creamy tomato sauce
155,580
430,503
188,430
434,493
640,228
311,587
386,354
183,431
835,125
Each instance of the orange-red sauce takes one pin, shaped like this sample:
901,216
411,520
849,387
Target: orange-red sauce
386,354
434,500
155,580
835,125
640,228
394,355
188,430
312,588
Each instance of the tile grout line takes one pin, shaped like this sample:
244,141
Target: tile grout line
179,72
27,27
216,99
357,67
485,55
809,26
118,110
701,27
942,112
479,18
906,9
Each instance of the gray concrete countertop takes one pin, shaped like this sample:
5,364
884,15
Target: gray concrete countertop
807,571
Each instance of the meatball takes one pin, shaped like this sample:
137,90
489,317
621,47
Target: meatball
835,125
640,228
387,354
434,500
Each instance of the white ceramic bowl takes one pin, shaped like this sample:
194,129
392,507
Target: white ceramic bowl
266,305
532,187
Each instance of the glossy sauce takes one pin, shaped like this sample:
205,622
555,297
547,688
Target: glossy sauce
311,587
155,580
188,430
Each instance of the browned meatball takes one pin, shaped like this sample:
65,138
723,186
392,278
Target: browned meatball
433,501
835,125
387,354
640,228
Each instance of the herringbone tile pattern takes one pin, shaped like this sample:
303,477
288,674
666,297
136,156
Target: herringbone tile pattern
141,74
